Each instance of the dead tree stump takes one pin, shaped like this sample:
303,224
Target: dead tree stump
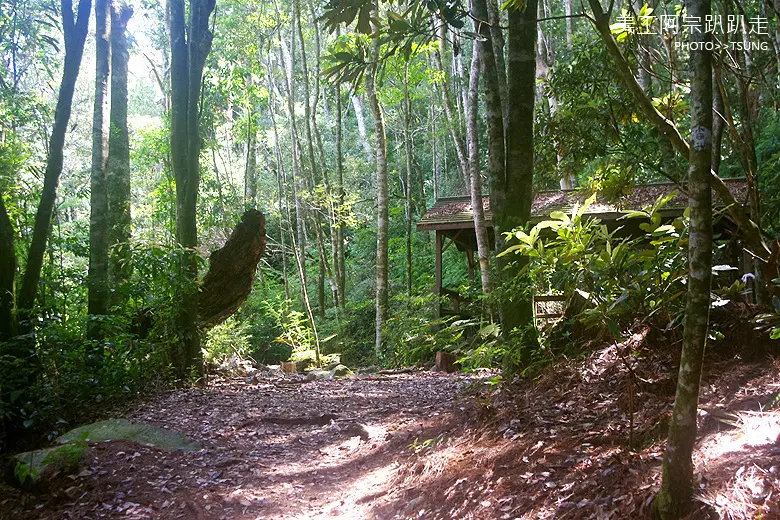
445,362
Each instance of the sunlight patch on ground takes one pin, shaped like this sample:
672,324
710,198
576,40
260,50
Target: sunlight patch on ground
745,493
752,429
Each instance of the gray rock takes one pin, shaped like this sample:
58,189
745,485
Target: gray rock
340,371
33,469
318,375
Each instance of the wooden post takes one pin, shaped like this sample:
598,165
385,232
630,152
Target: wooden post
470,259
437,288
445,362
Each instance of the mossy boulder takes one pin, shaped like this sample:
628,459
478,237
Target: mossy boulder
340,371
33,470
122,429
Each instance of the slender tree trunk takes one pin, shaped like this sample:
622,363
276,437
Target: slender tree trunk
297,180
97,279
340,253
673,500
281,178
361,124
497,41
382,223
75,32
407,108
569,22
494,112
512,208
7,276
188,57
118,173
250,170
453,125
472,137
316,174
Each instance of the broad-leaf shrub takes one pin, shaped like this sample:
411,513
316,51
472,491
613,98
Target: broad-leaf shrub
618,279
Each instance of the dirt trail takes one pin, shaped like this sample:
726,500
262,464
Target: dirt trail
273,450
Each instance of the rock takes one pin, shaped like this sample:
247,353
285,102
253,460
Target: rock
318,375
116,429
33,470
366,371
340,371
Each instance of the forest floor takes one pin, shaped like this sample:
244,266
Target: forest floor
435,446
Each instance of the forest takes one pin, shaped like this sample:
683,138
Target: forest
226,260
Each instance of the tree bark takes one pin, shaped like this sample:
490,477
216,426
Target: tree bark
475,175
453,124
512,207
673,500
97,278
7,276
188,56
407,117
250,170
75,32
340,253
232,270
382,223
118,173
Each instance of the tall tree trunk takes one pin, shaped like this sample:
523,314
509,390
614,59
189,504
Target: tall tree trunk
317,174
7,276
340,253
188,57
97,279
250,170
494,109
472,137
453,125
569,22
512,208
281,177
673,500
118,173
75,32
382,223
497,42
407,116
361,124
297,178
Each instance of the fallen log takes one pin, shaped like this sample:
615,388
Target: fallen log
232,269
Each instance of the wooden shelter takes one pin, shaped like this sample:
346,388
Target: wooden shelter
452,218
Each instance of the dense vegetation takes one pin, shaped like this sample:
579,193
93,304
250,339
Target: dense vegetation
342,122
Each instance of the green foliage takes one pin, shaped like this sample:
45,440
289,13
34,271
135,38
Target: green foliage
618,279
225,339
23,471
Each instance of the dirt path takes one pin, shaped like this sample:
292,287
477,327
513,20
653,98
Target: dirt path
273,450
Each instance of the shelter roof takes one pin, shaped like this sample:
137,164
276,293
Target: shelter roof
456,212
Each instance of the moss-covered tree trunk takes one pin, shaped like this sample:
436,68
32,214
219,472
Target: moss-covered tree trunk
7,276
190,44
673,500
118,172
97,279
382,222
514,193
